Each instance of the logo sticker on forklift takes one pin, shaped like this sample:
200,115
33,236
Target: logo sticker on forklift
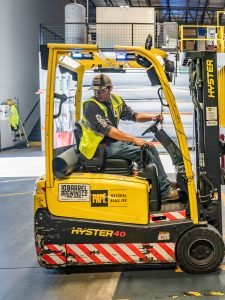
210,78
99,198
74,192
111,198
98,232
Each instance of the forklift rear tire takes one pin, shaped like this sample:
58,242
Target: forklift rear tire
200,250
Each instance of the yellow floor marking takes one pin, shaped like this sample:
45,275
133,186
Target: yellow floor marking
199,294
178,270
214,293
16,194
222,267
196,294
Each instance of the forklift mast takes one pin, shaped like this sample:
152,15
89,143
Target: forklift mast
204,90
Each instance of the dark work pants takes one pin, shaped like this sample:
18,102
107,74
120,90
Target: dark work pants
132,152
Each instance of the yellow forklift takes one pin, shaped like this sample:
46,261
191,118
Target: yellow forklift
100,211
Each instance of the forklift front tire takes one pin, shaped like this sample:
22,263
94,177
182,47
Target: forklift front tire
200,250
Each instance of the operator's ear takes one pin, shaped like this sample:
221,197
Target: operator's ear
110,88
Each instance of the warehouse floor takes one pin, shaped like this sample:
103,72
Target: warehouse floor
22,278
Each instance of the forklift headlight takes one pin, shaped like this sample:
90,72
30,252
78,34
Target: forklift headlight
120,56
76,55
79,55
125,56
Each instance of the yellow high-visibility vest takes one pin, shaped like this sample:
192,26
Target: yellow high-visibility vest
14,118
90,138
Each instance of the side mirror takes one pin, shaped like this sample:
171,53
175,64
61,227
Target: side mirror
148,42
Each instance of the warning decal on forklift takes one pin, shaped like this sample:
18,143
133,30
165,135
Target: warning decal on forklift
163,236
211,123
74,192
211,113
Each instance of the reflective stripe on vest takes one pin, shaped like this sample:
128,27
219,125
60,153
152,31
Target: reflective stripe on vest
90,138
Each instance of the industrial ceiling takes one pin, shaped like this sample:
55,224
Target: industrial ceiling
180,11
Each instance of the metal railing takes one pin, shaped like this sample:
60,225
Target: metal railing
201,37
106,35
51,34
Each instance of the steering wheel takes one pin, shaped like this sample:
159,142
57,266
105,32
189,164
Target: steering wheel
152,128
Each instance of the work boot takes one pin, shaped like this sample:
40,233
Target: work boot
172,195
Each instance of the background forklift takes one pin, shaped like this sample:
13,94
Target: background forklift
97,212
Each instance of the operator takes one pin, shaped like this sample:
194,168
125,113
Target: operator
101,115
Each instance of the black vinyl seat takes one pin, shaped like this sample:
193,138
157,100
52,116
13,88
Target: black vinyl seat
110,166
99,163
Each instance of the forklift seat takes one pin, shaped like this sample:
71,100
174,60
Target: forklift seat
99,163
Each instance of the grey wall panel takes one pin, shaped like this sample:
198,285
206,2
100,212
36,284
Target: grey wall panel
19,41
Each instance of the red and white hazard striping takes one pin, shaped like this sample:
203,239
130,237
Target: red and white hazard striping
135,253
167,216
98,254
84,254
54,254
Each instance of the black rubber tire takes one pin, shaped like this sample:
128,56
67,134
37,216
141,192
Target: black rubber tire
200,250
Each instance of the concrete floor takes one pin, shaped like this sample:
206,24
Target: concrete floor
23,279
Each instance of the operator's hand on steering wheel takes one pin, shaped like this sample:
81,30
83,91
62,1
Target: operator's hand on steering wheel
141,142
158,117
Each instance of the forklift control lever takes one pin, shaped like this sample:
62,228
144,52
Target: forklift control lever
152,128
143,153
160,97
63,98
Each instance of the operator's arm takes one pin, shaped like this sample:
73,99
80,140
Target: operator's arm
99,123
129,114
124,137
148,117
